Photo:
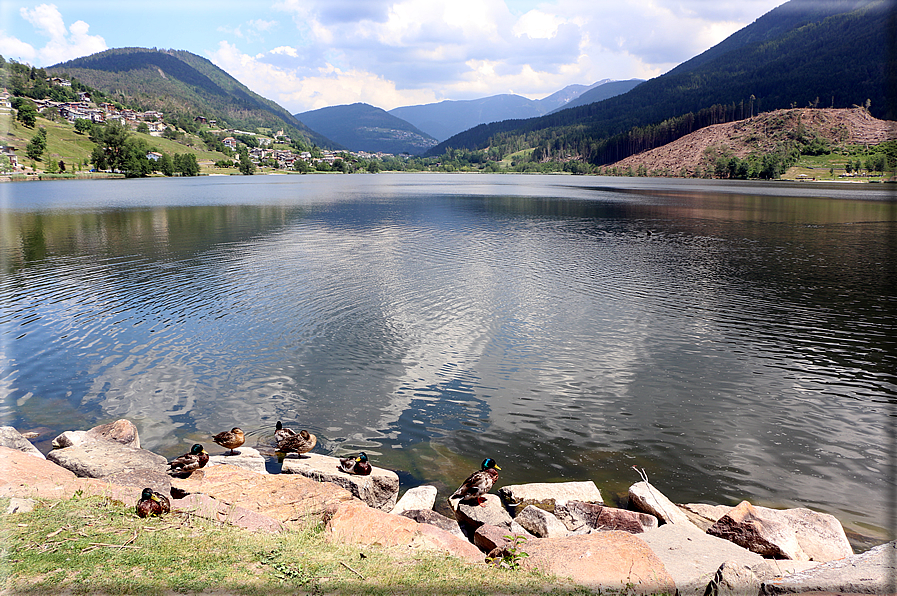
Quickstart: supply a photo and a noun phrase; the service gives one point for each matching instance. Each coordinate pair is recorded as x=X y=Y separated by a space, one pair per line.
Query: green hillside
x=805 y=52
x=362 y=127
x=181 y=84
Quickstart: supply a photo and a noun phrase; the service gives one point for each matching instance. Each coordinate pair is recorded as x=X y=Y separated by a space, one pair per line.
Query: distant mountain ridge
x=830 y=53
x=180 y=83
x=363 y=127
x=447 y=118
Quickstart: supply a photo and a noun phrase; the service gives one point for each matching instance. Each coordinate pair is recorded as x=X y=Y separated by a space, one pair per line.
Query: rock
x=286 y=498
x=378 y=490
x=489 y=538
x=206 y=507
x=692 y=557
x=121 y=431
x=98 y=459
x=581 y=517
x=419 y=497
x=605 y=561
x=545 y=495
x=871 y=572
x=142 y=477
x=473 y=516
x=70 y=438
x=759 y=532
x=541 y=523
x=23 y=475
x=247 y=458
x=11 y=438
x=428 y=516
x=356 y=523
x=17 y=505
x=733 y=579
x=645 y=497
x=819 y=535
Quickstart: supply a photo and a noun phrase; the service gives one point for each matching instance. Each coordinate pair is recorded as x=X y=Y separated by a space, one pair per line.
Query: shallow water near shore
x=734 y=340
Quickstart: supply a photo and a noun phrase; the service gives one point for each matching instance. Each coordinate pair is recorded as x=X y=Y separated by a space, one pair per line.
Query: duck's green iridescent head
x=196 y=449
x=490 y=463
x=147 y=494
x=362 y=457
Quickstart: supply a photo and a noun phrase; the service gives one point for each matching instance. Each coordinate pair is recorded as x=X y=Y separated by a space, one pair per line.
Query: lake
x=736 y=340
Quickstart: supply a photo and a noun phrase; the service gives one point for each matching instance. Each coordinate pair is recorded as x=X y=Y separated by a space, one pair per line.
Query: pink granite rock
x=758 y=532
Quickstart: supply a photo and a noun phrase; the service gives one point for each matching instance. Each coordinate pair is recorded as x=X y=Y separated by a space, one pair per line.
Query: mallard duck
x=301 y=443
x=355 y=465
x=189 y=462
x=281 y=433
x=152 y=503
x=479 y=483
x=231 y=439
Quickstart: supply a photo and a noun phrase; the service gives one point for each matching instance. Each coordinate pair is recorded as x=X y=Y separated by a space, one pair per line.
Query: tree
x=26 y=113
x=110 y=139
x=186 y=164
x=247 y=168
x=82 y=125
x=300 y=165
x=373 y=166
x=38 y=144
x=143 y=127
x=166 y=165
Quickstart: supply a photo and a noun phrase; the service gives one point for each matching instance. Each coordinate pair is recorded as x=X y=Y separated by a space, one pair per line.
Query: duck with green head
x=479 y=483
x=152 y=503
x=359 y=466
x=187 y=463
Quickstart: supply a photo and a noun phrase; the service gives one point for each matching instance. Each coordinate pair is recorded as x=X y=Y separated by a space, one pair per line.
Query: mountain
x=447 y=118
x=362 y=127
x=181 y=84
x=828 y=53
x=600 y=93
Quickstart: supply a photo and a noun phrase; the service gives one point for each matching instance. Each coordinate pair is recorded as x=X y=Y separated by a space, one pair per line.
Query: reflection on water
x=735 y=340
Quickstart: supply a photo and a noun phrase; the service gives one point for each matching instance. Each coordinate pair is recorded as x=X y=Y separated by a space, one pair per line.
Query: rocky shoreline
x=563 y=529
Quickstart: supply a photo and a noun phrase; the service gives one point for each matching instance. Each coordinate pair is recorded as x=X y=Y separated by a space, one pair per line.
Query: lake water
x=734 y=340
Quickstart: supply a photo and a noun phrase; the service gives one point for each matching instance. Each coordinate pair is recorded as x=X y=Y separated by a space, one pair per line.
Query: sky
x=309 y=54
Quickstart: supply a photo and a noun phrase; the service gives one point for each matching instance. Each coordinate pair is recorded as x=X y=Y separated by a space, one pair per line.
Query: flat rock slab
x=541 y=523
x=693 y=557
x=871 y=572
x=98 y=459
x=583 y=517
x=10 y=437
x=490 y=512
x=356 y=523
x=415 y=499
x=379 y=489
x=245 y=457
x=545 y=495
x=428 y=516
x=645 y=497
x=286 y=498
x=606 y=561
x=206 y=507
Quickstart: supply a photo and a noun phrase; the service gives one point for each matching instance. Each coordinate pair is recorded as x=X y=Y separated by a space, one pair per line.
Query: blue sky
x=308 y=54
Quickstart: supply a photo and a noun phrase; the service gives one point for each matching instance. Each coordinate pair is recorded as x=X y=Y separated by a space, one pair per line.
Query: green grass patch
x=99 y=546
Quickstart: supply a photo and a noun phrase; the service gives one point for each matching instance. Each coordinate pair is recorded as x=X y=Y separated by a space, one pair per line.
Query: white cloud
x=64 y=44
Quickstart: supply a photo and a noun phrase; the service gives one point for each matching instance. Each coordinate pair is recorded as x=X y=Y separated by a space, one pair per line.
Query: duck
x=189 y=462
x=479 y=483
x=152 y=503
x=281 y=433
x=299 y=444
x=356 y=465
x=230 y=439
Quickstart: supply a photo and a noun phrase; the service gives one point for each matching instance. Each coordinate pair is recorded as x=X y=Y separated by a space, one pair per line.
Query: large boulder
x=379 y=489
x=871 y=572
x=100 y=458
x=488 y=538
x=69 y=438
x=541 y=523
x=10 y=437
x=417 y=498
x=645 y=497
x=490 y=512
x=758 y=532
x=247 y=458
x=581 y=517
x=820 y=535
x=356 y=523
x=428 y=516
x=546 y=495
x=290 y=499
x=605 y=561
x=121 y=431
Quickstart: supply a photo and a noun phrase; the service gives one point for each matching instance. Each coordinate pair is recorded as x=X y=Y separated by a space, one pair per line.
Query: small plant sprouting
x=513 y=554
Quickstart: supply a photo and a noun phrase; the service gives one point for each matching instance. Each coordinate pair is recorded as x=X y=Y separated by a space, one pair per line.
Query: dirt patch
x=763 y=133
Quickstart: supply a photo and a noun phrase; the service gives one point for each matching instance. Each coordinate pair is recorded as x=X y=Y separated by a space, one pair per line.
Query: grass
x=94 y=545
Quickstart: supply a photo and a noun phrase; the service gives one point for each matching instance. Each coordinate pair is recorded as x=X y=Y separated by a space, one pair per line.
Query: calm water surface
x=737 y=341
